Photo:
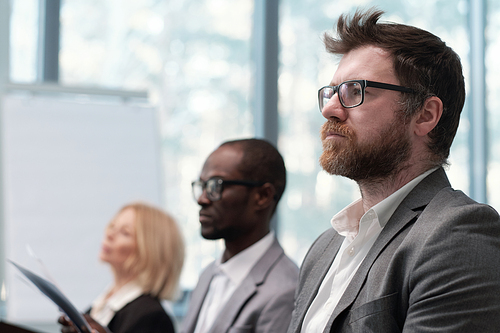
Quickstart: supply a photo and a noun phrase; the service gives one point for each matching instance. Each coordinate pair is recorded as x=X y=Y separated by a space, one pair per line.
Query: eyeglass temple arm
x=387 y=86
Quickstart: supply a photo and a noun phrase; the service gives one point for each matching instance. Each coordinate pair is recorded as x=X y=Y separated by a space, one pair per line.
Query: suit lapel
x=315 y=278
x=408 y=210
x=390 y=230
x=246 y=289
x=189 y=323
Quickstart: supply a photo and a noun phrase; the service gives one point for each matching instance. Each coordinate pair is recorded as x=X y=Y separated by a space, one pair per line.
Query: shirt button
x=351 y=251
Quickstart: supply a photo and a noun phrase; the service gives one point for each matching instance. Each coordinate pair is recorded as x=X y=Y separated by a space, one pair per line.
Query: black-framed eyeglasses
x=352 y=93
x=214 y=187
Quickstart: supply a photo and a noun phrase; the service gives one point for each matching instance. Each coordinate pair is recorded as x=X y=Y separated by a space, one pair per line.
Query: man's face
x=229 y=217
x=370 y=141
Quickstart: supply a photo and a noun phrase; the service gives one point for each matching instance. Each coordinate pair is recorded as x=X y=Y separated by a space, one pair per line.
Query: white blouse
x=104 y=309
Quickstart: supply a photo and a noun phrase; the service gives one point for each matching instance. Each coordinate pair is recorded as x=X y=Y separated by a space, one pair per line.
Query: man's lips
x=333 y=130
x=331 y=135
x=205 y=217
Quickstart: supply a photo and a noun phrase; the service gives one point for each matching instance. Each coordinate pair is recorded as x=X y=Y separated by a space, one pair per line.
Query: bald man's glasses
x=214 y=187
x=352 y=93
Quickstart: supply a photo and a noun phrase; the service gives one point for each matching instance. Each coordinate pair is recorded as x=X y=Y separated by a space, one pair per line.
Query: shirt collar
x=124 y=295
x=346 y=221
x=238 y=267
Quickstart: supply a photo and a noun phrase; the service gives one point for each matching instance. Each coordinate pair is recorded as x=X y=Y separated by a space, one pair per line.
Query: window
x=193 y=57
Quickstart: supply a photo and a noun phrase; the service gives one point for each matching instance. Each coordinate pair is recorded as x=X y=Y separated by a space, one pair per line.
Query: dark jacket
x=145 y=314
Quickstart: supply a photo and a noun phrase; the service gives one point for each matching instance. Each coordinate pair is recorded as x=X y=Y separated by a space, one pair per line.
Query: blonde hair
x=159 y=256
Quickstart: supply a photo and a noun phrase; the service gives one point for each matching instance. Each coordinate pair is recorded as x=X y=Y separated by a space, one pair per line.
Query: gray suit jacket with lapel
x=435 y=267
x=262 y=303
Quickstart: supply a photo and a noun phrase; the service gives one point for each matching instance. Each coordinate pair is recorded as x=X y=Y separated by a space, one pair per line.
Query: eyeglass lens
x=350 y=94
x=212 y=187
x=325 y=95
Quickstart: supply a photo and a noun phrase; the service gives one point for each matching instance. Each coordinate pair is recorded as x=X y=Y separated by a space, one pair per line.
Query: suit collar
x=318 y=266
x=426 y=190
x=239 y=266
x=247 y=288
x=407 y=211
x=316 y=272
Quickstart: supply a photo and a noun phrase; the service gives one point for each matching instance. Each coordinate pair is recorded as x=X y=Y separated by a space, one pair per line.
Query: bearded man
x=413 y=254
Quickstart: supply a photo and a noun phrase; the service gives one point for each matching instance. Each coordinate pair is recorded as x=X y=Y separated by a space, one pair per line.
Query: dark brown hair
x=422 y=61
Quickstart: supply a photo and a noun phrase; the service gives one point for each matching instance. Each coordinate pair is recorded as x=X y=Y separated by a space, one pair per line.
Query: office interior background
x=153 y=86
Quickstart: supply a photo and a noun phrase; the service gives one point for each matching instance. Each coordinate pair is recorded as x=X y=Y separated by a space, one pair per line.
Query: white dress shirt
x=359 y=238
x=229 y=276
x=104 y=309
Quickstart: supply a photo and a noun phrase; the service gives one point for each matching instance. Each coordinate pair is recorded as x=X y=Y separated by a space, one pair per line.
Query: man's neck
x=374 y=191
x=233 y=247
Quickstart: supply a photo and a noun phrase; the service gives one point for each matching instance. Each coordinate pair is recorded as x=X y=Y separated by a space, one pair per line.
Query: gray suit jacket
x=262 y=303
x=435 y=267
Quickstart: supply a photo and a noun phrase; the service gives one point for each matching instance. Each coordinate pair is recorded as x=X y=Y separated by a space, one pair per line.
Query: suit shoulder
x=282 y=277
x=455 y=206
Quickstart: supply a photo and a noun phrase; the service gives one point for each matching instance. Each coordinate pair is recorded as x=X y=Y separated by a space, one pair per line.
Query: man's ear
x=429 y=116
x=265 y=196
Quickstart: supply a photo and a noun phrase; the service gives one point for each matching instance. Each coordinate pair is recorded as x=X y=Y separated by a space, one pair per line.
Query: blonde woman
x=145 y=251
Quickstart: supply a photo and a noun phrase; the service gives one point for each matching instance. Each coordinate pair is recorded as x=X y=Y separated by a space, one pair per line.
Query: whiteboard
x=67 y=168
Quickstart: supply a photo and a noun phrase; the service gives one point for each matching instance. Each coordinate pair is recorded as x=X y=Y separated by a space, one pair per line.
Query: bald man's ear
x=429 y=116
x=265 y=196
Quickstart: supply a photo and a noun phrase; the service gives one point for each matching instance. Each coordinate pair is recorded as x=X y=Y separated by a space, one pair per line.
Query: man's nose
x=203 y=198
x=333 y=109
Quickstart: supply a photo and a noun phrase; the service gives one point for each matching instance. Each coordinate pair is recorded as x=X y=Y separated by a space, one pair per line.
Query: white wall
x=67 y=168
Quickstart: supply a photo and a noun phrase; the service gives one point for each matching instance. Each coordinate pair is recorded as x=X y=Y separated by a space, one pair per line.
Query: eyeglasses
x=214 y=187
x=352 y=93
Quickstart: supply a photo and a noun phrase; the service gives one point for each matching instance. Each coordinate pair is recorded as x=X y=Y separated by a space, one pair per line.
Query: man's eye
x=356 y=92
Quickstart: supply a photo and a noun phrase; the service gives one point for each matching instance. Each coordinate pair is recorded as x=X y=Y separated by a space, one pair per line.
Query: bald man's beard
x=382 y=157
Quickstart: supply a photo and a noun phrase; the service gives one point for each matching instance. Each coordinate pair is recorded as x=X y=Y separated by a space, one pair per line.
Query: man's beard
x=375 y=160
